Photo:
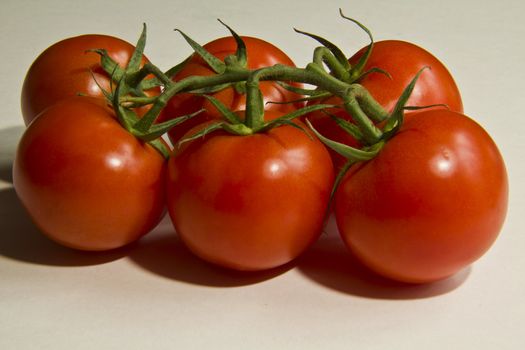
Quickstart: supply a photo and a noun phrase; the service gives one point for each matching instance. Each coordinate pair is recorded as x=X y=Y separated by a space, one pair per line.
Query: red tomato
x=432 y=202
x=86 y=182
x=249 y=202
x=402 y=60
x=64 y=70
x=259 y=53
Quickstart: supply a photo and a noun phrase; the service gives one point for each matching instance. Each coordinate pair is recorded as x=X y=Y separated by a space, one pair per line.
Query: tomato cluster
x=248 y=186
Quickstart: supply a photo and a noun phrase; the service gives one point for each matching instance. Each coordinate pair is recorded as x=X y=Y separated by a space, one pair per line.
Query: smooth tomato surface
x=85 y=181
x=65 y=69
x=259 y=54
x=402 y=60
x=250 y=202
x=432 y=202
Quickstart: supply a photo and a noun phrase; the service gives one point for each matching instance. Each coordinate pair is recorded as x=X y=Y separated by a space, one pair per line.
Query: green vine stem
x=324 y=55
x=358 y=102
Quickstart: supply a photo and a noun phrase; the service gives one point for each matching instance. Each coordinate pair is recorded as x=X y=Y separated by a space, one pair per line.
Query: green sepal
x=347 y=126
x=240 y=87
x=395 y=120
x=240 y=53
x=297 y=113
x=360 y=65
x=144 y=124
x=287 y=122
x=126 y=117
x=136 y=57
x=287 y=118
x=108 y=95
x=201 y=133
x=160 y=147
x=216 y=64
x=223 y=110
x=237 y=129
x=157 y=130
x=171 y=73
x=108 y=64
x=330 y=46
x=340 y=176
x=133 y=80
x=347 y=151
x=147 y=120
x=373 y=70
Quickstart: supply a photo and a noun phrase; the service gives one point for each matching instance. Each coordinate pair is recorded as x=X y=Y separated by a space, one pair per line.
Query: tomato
x=402 y=60
x=249 y=202
x=259 y=54
x=432 y=202
x=86 y=182
x=65 y=69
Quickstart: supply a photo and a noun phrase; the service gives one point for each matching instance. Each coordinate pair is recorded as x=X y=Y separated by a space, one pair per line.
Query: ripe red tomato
x=249 y=202
x=402 y=60
x=432 y=202
x=64 y=70
x=259 y=54
x=86 y=182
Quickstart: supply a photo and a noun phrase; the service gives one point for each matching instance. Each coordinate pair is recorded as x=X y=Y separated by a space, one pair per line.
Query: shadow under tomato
x=8 y=142
x=164 y=254
x=21 y=240
x=329 y=263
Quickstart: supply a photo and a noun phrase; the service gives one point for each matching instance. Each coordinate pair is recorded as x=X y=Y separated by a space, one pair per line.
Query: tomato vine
x=329 y=72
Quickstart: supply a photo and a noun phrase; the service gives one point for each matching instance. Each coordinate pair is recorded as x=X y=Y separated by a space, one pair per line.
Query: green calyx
x=329 y=73
x=129 y=93
x=242 y=125
x=336 y=61
x=371 y=137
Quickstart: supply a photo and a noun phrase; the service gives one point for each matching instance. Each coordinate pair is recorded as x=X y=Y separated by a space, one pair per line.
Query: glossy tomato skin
x=432 y=202
x=65 y=70
x=249 y=202
x=402 y=60
x=259 y=53
x=86 y=182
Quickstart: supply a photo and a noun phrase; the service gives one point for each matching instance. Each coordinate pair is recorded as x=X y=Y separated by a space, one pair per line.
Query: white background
x=155 y=295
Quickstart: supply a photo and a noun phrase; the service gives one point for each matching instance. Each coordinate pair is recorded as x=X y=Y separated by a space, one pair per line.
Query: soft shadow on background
x=8 y=141
x=329 y=263
x=165 y=255
x=21 y=240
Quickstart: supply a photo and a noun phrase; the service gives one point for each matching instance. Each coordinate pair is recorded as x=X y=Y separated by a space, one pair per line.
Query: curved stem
x=368 y=104
x=371 y=133
x=324 y=55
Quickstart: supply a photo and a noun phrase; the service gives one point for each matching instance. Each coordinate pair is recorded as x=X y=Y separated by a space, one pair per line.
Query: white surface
x=155 y=295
